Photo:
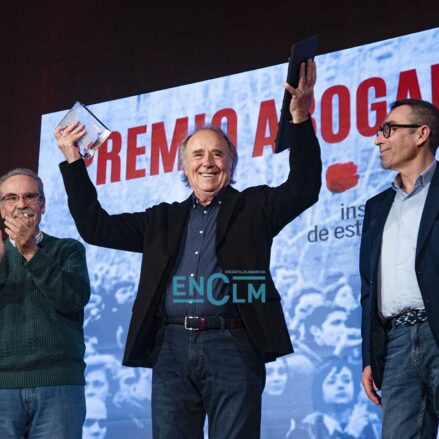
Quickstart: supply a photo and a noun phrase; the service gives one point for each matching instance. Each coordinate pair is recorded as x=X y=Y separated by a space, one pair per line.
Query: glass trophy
x=95 y=131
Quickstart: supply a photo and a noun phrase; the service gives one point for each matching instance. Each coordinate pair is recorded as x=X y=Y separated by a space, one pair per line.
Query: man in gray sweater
x=44 y=287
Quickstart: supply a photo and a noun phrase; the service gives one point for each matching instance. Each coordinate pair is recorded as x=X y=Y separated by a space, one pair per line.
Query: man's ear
x=43 y=206
x=424 y=134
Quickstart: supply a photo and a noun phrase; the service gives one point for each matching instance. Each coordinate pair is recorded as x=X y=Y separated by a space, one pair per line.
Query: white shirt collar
x=38 y=238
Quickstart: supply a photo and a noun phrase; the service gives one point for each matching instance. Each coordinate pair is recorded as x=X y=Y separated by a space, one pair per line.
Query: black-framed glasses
x=28 y=198
x=386 y=128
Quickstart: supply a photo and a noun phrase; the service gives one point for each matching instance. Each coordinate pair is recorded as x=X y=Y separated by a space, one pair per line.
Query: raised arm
x=302 y=187
x=95 y=225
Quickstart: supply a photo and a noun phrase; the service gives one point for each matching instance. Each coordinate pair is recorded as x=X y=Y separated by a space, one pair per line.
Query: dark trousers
x=216 y=372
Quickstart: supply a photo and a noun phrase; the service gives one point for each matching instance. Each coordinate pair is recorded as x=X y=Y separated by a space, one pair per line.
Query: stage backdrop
x=314 y=259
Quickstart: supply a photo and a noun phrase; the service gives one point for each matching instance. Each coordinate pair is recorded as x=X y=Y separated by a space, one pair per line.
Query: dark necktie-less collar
x=216 y=199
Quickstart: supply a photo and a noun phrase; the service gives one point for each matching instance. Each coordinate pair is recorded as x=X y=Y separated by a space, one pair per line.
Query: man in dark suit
x=399 y=267
x=206 y=357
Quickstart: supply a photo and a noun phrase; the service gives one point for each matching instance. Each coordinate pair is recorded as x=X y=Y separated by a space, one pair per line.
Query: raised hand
x=301 y=97
x=23 y=231
x=66 y=136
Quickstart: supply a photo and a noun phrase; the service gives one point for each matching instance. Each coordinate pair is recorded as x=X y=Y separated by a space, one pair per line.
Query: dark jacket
x=426 y=265
x=247 y=223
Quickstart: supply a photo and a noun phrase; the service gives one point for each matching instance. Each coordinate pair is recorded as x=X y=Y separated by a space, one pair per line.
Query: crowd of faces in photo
x=315 y=393
x=118 y=397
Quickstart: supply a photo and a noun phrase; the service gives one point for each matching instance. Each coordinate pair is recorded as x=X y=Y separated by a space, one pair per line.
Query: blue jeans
x=220 y=373
x=42 y=412
x=410 y=390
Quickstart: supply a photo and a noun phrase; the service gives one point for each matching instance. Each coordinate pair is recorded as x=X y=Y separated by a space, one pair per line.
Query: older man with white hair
x=208 y=357
x=44 y=287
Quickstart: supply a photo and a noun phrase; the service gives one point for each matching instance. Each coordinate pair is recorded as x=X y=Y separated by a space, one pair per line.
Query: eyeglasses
x=386 y=128
x=28 y=198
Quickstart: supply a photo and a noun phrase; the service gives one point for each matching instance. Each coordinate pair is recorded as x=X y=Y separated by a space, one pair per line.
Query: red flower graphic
x=341 y=176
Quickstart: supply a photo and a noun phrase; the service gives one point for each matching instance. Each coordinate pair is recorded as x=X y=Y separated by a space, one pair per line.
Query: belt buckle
x=185 y=323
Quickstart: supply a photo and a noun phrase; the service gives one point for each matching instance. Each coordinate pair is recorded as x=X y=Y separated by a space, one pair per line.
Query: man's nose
x=379 y=139
x=21 y=203
x=207 y=160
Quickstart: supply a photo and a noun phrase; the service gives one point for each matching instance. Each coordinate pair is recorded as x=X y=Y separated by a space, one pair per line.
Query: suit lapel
x=430 y=212
x=177 y=222
x=383 y=210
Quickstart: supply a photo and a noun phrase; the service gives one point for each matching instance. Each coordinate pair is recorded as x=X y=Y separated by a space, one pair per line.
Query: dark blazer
x=426 y=266
x=247 y=223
